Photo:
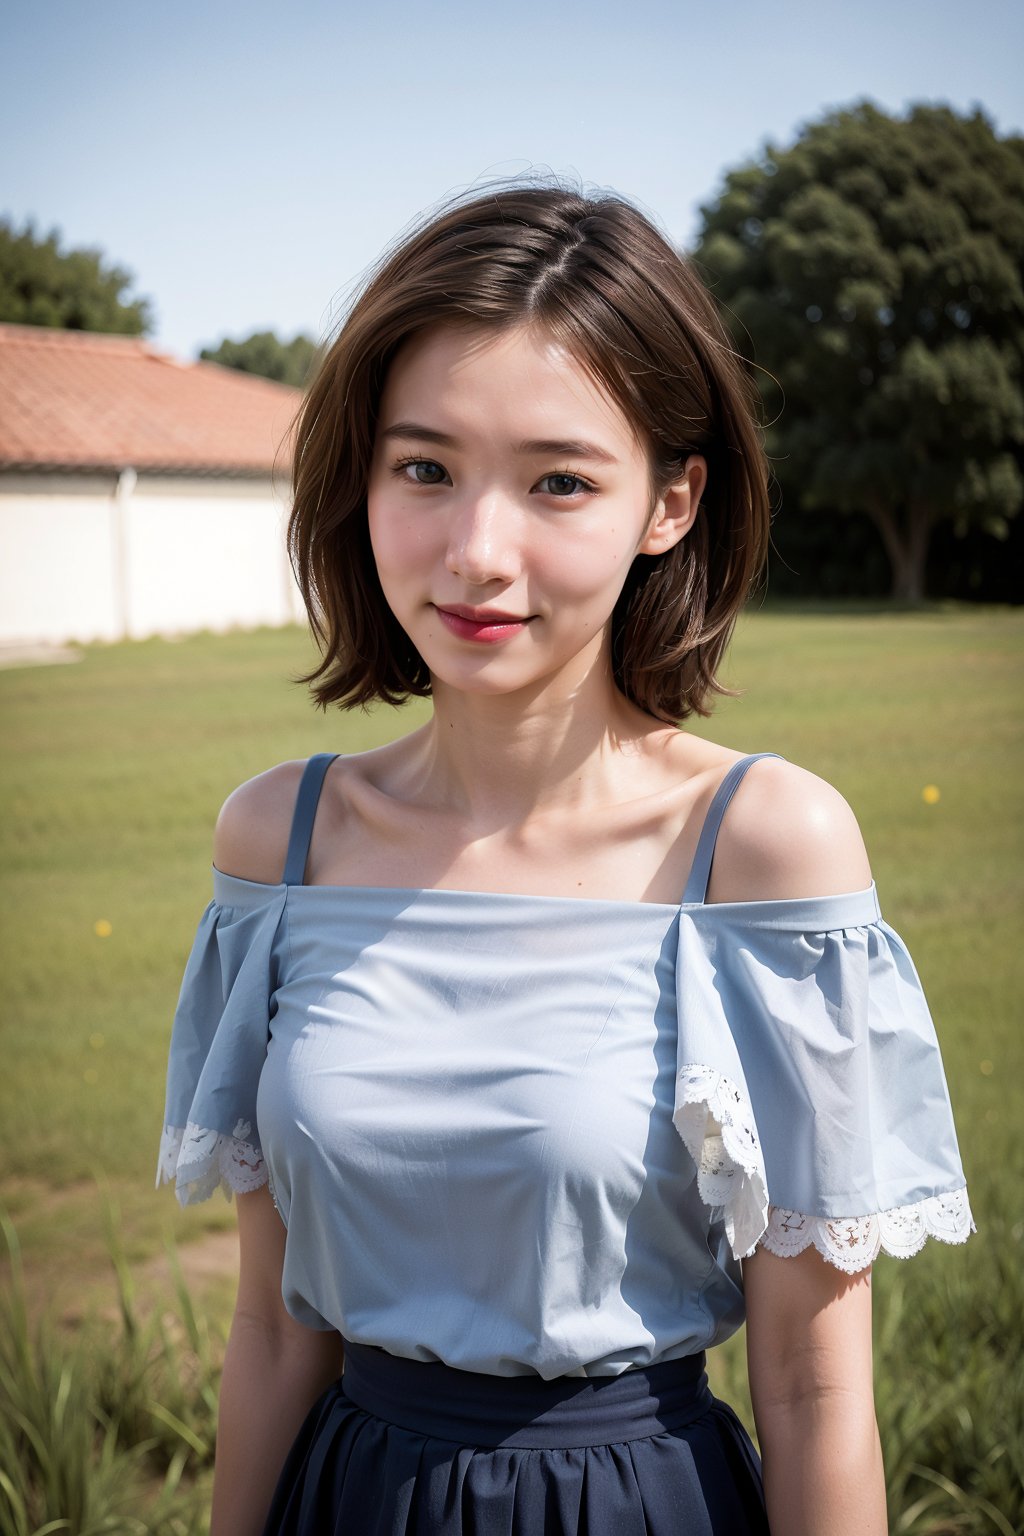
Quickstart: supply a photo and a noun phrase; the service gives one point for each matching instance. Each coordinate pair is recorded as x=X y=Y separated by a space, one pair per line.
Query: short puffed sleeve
x=810 y=1089
x=219 y=1043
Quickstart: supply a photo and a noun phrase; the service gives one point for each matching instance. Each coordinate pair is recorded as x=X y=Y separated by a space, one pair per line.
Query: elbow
x=838 y=1418
x=314 y=1352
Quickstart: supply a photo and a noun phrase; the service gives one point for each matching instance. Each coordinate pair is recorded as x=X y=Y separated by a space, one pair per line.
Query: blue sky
x=248 y=161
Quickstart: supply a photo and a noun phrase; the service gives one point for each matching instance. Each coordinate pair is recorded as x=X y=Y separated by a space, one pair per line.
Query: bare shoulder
x=251 y=836
x=787 y=834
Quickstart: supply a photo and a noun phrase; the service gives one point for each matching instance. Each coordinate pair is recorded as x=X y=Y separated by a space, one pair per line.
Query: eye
x=422 y=471
x=564 y=485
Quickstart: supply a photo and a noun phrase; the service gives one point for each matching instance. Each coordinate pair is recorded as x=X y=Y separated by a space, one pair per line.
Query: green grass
x=881 y=707
x=115 y=770
x=113 y=773
x=114 y=1430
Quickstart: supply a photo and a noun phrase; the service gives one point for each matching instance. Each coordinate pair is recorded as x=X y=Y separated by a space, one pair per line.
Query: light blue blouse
x=529 y=1134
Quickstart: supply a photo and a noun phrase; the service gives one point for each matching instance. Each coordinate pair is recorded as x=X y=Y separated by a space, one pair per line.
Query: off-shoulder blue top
x=525 y=1134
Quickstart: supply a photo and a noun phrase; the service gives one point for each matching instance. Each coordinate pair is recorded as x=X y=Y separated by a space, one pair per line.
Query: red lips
x=481 y=615
x=486 y=625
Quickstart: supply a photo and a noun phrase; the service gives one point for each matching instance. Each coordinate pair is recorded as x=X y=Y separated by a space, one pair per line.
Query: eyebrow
x=575 y=448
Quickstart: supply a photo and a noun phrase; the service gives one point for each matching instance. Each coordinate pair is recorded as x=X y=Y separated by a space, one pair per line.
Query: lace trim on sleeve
x=199 y=1161
x=852 y=1243
x=717 y=1126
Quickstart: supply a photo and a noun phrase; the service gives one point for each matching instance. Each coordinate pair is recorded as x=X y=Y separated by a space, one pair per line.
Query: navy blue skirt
x=404 y=1448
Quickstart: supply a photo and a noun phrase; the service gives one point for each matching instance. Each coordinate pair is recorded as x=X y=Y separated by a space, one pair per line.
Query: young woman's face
x=508 y=497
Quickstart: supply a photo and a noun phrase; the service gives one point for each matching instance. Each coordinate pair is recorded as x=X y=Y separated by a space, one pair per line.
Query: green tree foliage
x=289 y=362
x=876 y=268
x=41 y=284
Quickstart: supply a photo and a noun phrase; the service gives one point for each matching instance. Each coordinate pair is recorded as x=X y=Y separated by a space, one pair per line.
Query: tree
x=289 y=362
x=876 y=266
x=40 y=284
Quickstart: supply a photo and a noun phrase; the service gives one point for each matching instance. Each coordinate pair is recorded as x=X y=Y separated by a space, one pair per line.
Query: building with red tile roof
x=139 y=494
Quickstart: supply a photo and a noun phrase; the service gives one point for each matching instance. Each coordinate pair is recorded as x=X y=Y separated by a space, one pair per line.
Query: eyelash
x=585 y=487
x=403 y=464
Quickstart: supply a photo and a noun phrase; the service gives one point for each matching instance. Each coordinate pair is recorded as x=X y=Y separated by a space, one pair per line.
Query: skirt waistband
x=470 y=1408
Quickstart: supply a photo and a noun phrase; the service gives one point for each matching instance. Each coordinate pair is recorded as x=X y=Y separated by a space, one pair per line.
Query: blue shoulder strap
x=700 y=872
x=306 y=802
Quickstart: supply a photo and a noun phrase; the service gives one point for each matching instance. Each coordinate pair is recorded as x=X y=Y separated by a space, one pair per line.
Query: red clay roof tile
x=76 y=400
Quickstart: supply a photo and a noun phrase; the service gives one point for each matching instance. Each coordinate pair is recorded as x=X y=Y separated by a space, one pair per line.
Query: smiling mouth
x=482 y=624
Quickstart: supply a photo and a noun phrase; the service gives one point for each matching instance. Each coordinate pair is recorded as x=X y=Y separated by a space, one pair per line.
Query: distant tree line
x=42 y=284
x=289 y=362
x=873 y=273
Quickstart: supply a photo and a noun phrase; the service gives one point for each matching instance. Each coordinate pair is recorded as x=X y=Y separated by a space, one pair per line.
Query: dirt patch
x=68 y=1284
x=209 y=1264
x=41 y=655
x=210 y=1259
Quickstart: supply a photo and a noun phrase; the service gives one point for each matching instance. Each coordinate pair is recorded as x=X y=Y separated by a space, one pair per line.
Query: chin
x=480 y=684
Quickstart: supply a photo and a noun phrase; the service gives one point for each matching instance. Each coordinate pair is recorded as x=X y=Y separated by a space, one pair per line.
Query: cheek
x=397 y=539
x=591 y=562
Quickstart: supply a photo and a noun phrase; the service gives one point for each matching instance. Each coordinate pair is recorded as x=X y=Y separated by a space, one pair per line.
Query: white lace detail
x=717 y=1126
x=199 y=1161
x=852 y=1243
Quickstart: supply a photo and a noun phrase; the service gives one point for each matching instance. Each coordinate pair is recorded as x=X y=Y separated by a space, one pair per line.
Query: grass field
x=113 y=772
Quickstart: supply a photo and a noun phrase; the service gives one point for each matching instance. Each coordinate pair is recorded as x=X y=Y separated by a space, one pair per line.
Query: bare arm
x=809 y=1358
x=274 y=1370
x=789 y=834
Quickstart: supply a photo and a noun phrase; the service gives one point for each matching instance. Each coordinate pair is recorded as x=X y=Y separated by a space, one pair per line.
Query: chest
x=635 y=851
x=459 y=1040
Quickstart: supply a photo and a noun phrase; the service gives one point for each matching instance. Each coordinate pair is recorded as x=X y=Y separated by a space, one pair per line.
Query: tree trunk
x=906 y=546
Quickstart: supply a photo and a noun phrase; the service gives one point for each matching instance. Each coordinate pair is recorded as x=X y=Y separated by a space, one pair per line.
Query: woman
x=534 y=1070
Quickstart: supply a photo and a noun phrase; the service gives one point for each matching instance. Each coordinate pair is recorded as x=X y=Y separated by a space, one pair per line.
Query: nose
x=482 y=542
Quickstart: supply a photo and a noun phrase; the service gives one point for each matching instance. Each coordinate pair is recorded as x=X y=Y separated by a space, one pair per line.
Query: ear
x=676 y=510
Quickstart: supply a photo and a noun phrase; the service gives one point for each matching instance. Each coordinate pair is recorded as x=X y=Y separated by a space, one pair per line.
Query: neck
x=500 y=759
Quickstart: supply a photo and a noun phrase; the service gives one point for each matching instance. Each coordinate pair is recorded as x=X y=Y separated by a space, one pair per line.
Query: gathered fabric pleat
x=648 y=1453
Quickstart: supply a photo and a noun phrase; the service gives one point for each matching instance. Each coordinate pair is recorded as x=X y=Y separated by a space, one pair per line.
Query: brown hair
x=596 y=274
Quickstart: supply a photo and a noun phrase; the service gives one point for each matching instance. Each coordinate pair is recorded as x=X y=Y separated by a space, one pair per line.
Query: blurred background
x=189 y=198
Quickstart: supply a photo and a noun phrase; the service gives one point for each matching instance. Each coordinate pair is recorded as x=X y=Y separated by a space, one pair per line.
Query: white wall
x=168 y=555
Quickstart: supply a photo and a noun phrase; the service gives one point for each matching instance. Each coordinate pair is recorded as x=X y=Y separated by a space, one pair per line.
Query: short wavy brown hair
x=601 y=279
